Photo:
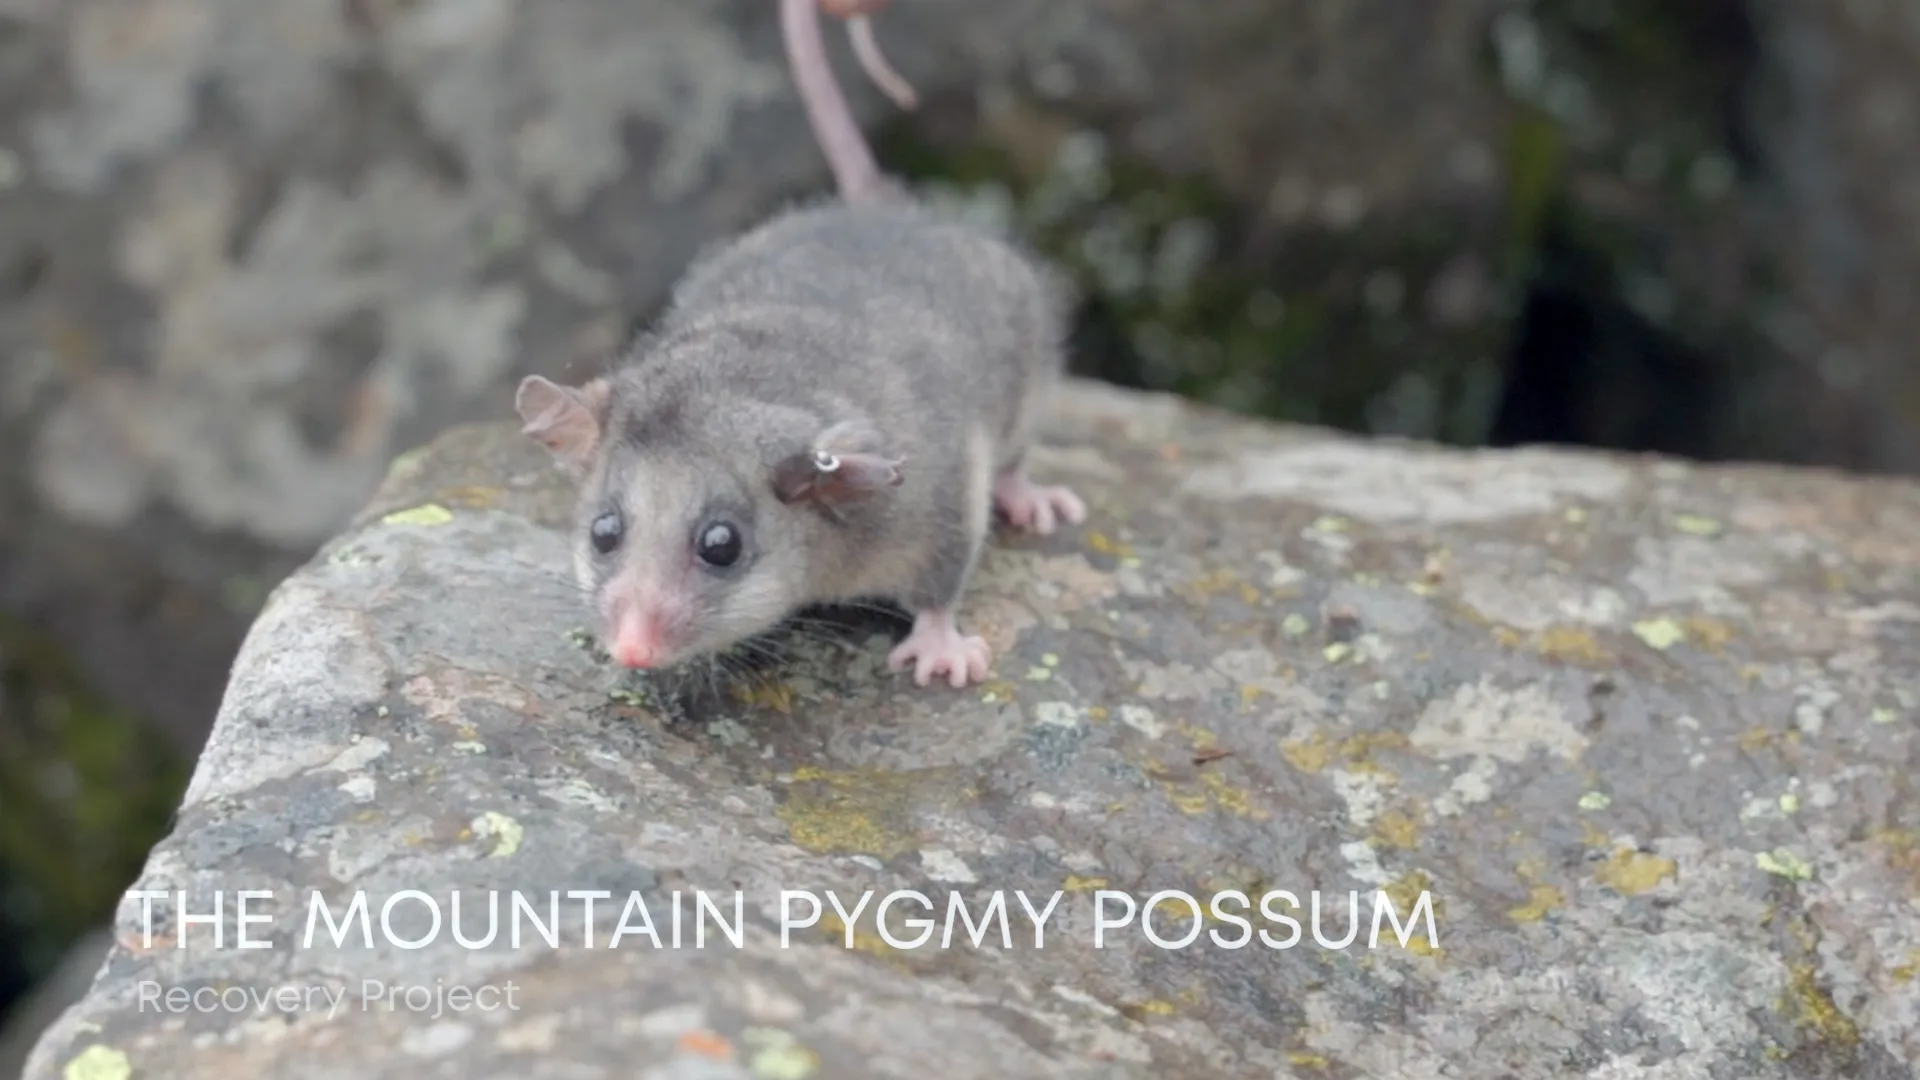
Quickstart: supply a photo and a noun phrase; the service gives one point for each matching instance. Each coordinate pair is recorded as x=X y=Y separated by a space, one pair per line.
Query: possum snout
x=645 y=629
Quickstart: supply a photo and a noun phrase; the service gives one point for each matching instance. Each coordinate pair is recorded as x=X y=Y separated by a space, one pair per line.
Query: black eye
x=605 y=531
x=719 y=544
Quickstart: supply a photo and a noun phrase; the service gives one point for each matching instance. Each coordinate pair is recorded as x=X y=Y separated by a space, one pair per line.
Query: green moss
x=1182 y=292
x=1536 y=186
x=85 y=792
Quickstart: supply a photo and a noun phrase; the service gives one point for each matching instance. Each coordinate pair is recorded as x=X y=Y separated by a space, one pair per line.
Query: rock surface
x=1644 y=733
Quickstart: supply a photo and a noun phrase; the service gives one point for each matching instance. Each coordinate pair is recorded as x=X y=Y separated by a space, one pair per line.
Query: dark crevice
x=1586 y=369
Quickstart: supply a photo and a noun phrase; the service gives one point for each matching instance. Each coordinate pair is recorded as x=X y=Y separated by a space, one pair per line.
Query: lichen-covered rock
x=1642 y=734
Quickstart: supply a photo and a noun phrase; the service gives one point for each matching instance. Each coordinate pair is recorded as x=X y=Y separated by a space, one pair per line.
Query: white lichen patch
x=533 y=1036
x=1385 y=484
x=1364 y=793
x=1141 y=719
x=1058 y=713
x=1815 y=701
x=1173 y=682
x=1702 y=987
x=942 y=865
x=1530 y=601
x=1473 y=786
x=1364 y=862
x=672 y=1021
x=577 y=792
x=437 y=1039
x=1485 y=720
x=1675 y=571
x=363 y=752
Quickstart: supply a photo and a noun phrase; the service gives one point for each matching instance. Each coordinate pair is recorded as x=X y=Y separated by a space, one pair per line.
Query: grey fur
x=889 y=319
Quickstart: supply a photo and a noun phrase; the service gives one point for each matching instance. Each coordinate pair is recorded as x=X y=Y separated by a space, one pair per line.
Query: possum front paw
x=1036 y=507
x=937 y=647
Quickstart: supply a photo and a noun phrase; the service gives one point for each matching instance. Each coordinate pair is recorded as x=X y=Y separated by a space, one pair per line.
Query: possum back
x=901 y=264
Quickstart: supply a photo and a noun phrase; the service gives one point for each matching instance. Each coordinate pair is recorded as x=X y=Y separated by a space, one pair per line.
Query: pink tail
x=855 y=172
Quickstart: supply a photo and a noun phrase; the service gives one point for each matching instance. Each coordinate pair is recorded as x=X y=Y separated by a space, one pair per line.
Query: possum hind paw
x=937 y=647
x=1036 y=507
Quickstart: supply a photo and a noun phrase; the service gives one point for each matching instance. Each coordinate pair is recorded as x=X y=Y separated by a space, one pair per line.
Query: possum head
x=696 y=526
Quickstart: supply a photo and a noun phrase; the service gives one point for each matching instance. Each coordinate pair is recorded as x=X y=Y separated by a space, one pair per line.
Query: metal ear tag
x=825 y=462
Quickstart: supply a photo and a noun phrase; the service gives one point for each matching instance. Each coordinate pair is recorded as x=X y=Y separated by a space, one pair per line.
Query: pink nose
x=636 y=640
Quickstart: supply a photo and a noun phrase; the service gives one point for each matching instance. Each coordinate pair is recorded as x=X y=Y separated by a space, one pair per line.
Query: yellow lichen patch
x=505 y=831
x=1396 y=829
x=1211 y=584
x=777 y=1055
x=1544 y=898
x=1572 y=644
x=1197 y=737
x=1213 y=792
x=1754 y=740
x=471 y=496
x=1631 y=873
x=1302 y=1059
x=1404 y=892
x=853 y=812
x=1813 y=1007
x=1140 y=1012
x=1309 y=755
x=1906 y=972
x=775 y=694
x=1354 y=753
x=1100 y=543
x=998 y=690
x=1662 y=633
x=866 y=941
x=98 y=1062
x=1508 y=637
x=1697 y=524
x=1711 y=634
x=1076 y=883
x=428 y=514
x=1783 y=863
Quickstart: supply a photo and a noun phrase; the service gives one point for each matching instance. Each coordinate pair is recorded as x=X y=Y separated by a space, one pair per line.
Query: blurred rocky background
x=250 y=250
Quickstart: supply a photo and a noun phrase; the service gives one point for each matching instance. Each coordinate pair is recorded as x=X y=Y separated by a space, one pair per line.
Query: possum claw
x=1036 y=507
x=937 y=647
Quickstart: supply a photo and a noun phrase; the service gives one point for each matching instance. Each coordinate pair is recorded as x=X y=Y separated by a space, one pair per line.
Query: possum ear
x=564 y=419
x=845 y=462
